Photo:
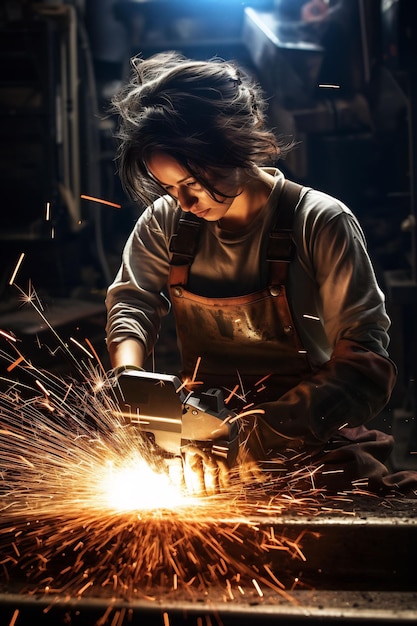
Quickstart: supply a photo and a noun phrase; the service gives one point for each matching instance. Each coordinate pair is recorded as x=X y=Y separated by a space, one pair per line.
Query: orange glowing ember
x=101 y=201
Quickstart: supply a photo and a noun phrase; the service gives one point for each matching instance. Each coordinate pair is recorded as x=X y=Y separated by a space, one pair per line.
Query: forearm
x=129 y=351
x=135 y=300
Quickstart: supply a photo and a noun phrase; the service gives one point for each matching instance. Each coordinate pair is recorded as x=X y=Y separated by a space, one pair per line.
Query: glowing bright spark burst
x=80 y=456
x=136 y=486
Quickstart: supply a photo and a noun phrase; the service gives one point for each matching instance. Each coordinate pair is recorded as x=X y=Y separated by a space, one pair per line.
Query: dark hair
x=208 y=115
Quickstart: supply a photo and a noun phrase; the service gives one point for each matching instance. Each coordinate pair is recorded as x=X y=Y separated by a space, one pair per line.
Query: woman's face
x=191 y=195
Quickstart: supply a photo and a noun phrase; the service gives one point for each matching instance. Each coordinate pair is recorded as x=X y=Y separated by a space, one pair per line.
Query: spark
x=241 y=385
x=257 y=587
x=188 y=383
x=48 y=212
x=77 y=343
x=329 y=86
x=67 y=392
x=272 y=576
x=45 y=391
x=30 y=298
x=90 y=345
x=8 y=336
x=101 y=201
x=245 y=414
x=15 y=363
x=231 y=394
x=262 y=380
x=197 y=365
x=16 y=269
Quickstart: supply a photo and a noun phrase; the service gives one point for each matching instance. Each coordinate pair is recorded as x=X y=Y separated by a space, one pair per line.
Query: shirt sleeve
x=135 y=300
x=356 y=383
x=351 y=301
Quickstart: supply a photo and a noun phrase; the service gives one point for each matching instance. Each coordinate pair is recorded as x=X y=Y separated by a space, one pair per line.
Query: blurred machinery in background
x=339 y=80
x=397 y=82
x=39 y=129
x=341 y=76
x=50 y=145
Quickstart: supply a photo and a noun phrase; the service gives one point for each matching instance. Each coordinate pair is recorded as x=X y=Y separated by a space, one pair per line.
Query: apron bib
x=242 y=339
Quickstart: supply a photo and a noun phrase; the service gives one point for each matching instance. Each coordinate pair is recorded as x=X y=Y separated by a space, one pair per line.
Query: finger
x=194 y=473
x=211 y=478
x=224 y=475
x=176 y=471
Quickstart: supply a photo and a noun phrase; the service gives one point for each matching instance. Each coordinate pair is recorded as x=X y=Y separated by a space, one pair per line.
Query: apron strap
x=184 y=245
x=280 y=249
x=281 y=246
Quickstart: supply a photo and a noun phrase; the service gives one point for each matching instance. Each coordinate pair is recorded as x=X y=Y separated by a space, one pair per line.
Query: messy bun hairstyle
x=208 y=115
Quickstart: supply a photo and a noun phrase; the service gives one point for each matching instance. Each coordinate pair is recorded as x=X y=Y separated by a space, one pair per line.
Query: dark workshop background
x=344 y=87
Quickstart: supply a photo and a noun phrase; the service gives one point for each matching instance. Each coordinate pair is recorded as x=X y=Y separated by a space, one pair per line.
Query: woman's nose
x=187 y=199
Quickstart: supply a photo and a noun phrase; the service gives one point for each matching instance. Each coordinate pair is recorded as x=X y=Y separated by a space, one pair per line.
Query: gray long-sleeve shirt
x=333 y=292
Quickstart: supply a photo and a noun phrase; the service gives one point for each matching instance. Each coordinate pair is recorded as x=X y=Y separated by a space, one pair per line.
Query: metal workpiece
x=325 y=607
x=351 y=562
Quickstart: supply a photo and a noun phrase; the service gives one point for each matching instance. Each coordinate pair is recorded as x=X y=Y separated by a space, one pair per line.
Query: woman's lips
x=201 y=213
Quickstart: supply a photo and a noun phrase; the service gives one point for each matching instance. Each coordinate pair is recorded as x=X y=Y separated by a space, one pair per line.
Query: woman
x=273 y=292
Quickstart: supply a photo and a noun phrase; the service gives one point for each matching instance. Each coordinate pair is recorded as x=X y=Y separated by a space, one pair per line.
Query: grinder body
x=173 y=418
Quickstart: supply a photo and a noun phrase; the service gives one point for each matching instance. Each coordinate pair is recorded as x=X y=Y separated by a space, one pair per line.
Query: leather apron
x=247 y=343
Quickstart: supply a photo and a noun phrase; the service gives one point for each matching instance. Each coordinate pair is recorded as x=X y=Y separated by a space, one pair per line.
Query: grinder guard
x=174 y=418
